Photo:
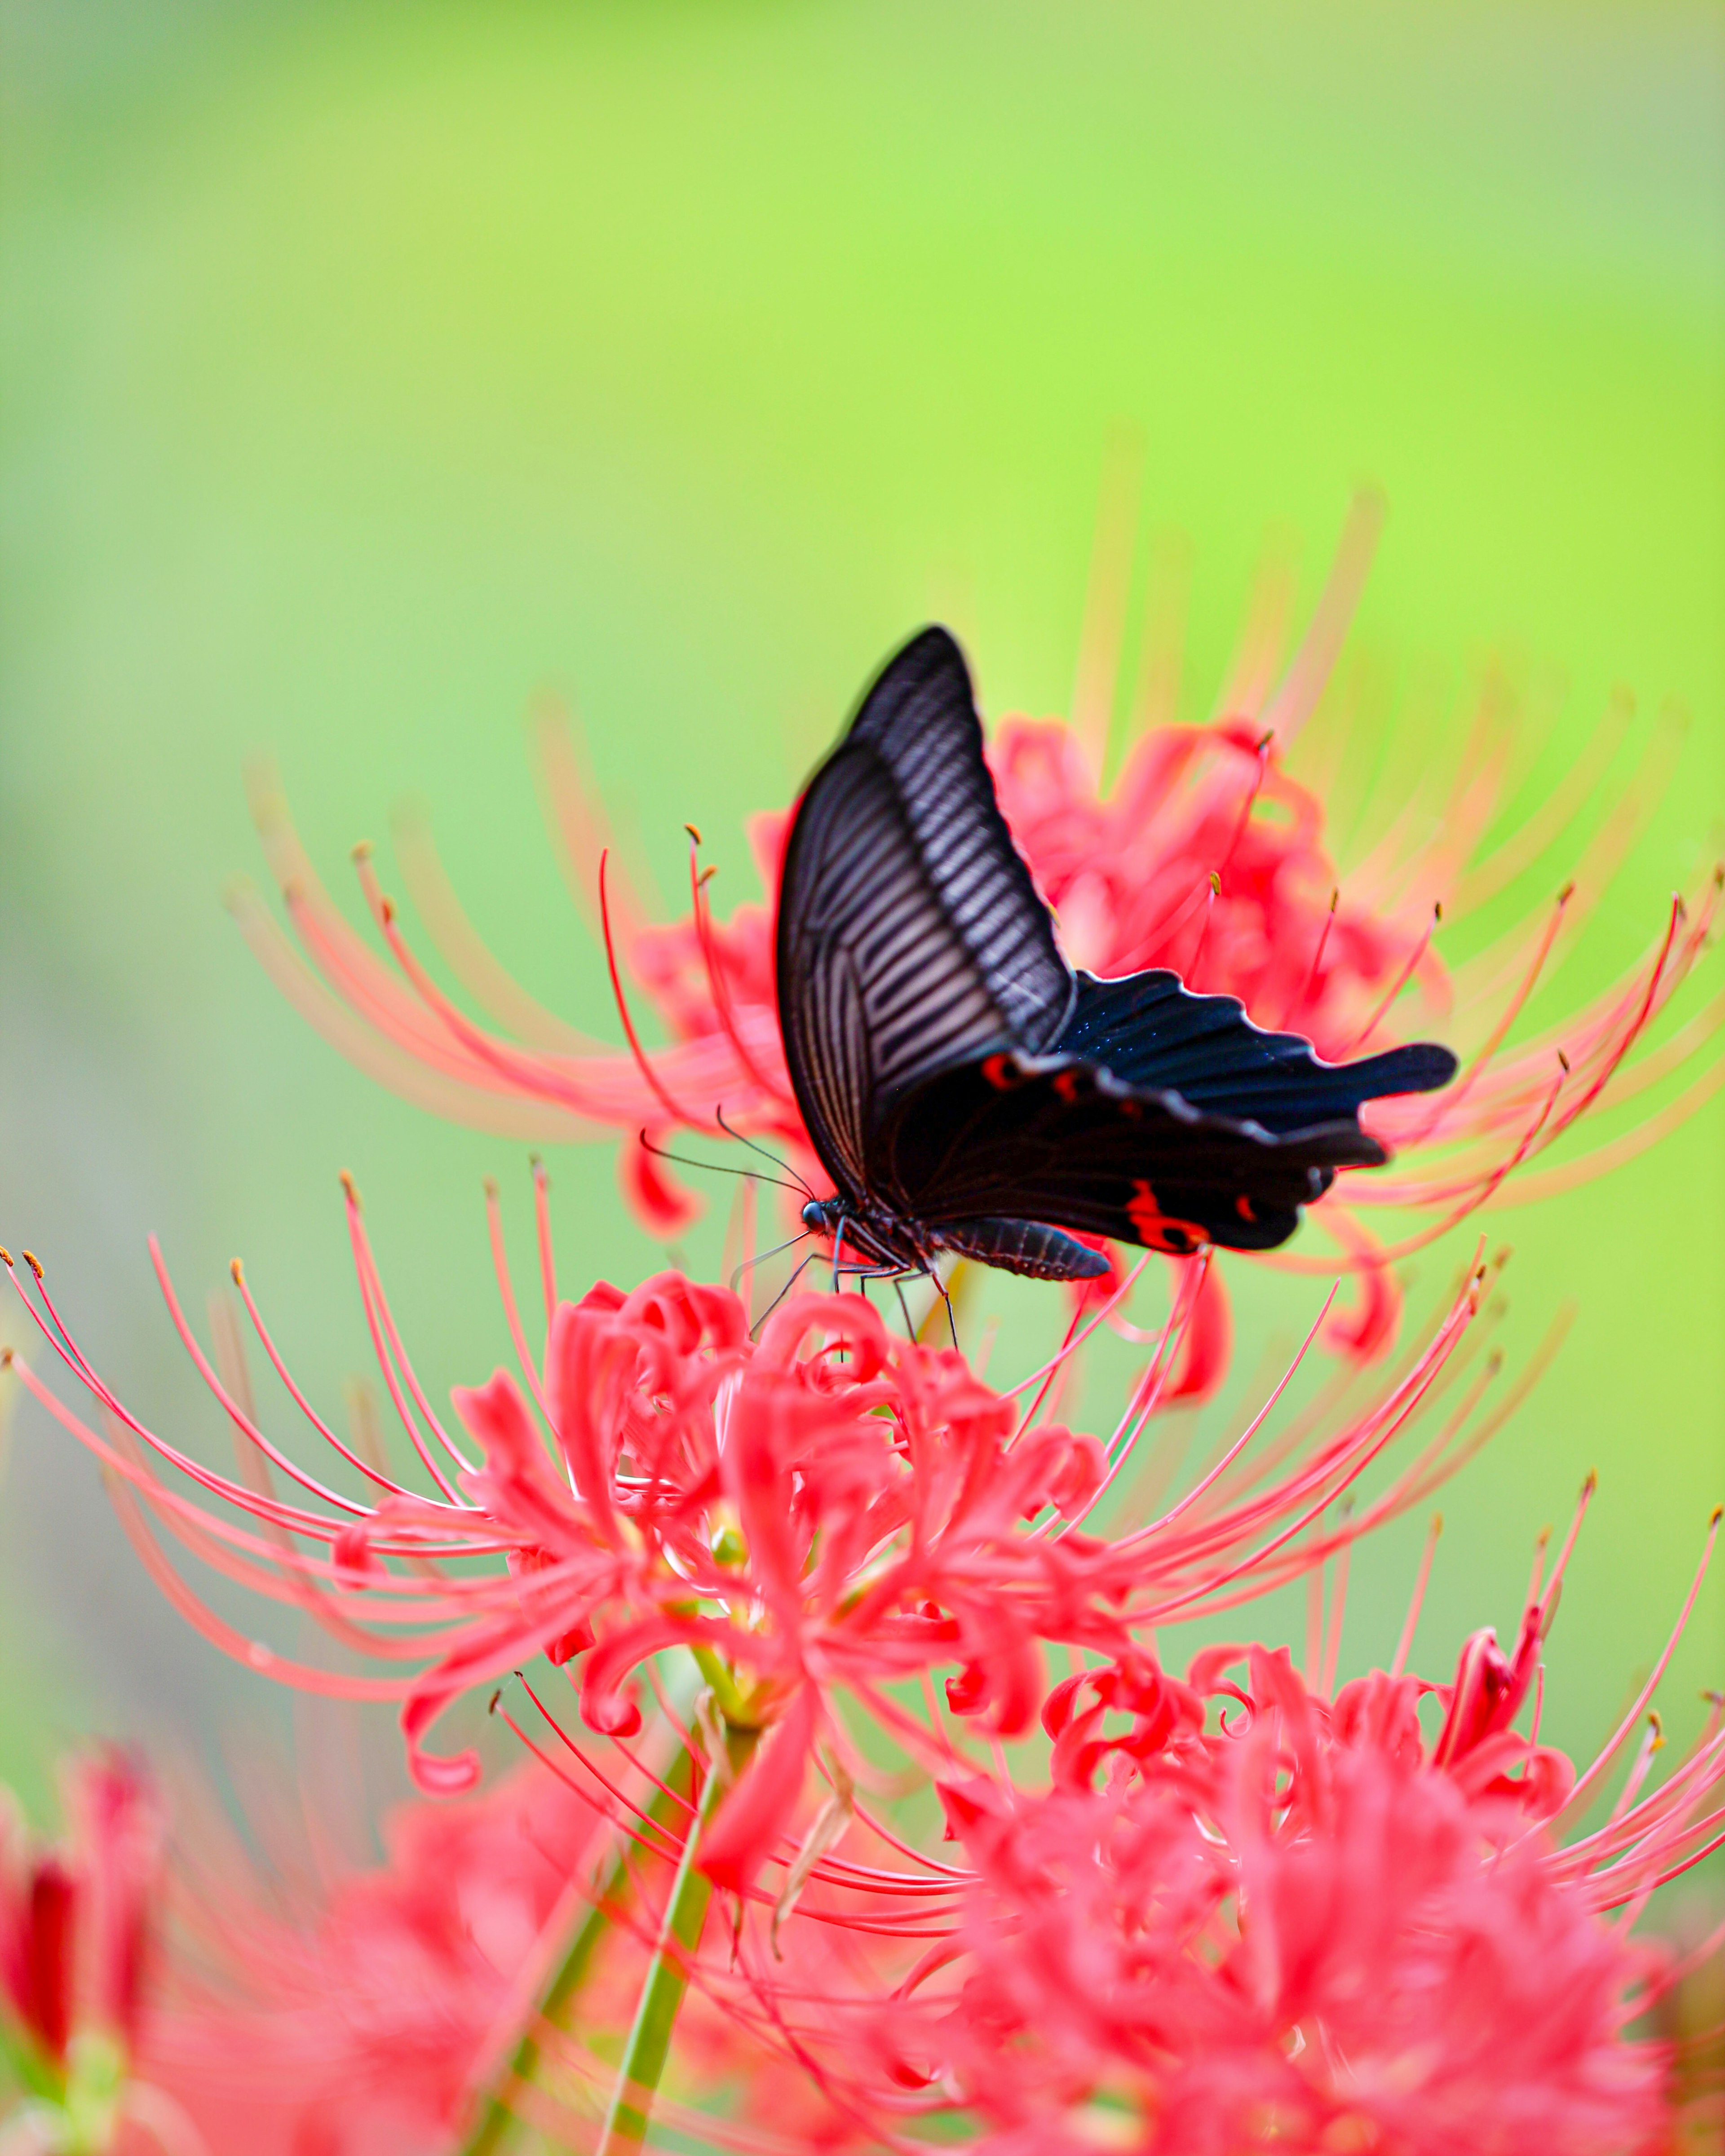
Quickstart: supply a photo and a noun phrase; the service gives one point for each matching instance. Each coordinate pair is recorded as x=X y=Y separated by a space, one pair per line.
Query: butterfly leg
x=797 y=1273
x=898 y=1289
x=940 y=1287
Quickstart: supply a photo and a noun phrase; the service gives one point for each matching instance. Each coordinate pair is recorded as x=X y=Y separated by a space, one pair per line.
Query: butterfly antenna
x=717 y=1168
x=802 y=1268
x=762 y=1257
x=784 y=1166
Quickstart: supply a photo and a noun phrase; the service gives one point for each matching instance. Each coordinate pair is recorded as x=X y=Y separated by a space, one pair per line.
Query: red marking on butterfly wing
x=1157 y=1228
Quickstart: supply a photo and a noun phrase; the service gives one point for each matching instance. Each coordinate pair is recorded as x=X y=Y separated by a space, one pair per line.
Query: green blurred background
x=365 y=369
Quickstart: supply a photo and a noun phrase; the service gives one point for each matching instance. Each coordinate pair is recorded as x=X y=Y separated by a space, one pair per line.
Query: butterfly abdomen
x=1023 y=1246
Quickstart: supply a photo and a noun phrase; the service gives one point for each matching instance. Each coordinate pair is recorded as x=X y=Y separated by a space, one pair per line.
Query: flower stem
x=668 y=1972
x=497 y=2116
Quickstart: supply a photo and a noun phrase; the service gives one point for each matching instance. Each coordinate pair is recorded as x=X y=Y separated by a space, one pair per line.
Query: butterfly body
x=895 y=1244
x=965 y=1088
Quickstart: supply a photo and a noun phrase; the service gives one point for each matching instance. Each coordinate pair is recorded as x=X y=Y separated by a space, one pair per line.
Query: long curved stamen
x=1410 y=966
x=701 y=908
x=370 y=1301
x=1293 y=1010
x=541 y=1221
x=506 y=1289
x=1214 y=1474
x=1589 y=1780
x=266 y=1341
x=678 y=1115
x=1456 y=1093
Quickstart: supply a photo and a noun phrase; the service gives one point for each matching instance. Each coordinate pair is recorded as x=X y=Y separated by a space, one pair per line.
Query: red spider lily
x=828 y=1519
x=1206 y=854
x=366 y=2012
x=1263 y=1914
x=76 y=1924
x=74 y=1916
x=1307 y=1920
x=358 y=2014
x=829 y=1509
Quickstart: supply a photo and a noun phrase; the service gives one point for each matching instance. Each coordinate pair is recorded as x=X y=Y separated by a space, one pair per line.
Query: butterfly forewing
x=910 y=937
x=920 y=718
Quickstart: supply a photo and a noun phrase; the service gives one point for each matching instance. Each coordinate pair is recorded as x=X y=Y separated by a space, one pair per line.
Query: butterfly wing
x=1164 y=1119
x=911 y=938
x=1063 y=1143
x=1148 y=1030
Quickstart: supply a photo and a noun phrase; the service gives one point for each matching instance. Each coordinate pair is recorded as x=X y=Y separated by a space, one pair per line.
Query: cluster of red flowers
x=1295 y=1915
x=876 y=1780
x=1311 y=1928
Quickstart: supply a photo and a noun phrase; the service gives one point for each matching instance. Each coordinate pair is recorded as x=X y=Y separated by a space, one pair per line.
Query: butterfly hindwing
x=911 y=938
x=1147 y=1029
x=1053 y=1140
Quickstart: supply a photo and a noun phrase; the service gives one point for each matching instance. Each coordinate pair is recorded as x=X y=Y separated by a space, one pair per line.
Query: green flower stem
x=731 y=1702
x=667 y=1975
x=497 y=2117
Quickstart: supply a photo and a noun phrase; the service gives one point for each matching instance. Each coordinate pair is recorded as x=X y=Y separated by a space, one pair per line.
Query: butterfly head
x=869 y=1234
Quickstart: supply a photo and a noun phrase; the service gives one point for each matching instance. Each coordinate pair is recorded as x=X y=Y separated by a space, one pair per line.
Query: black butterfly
x=965 y=1090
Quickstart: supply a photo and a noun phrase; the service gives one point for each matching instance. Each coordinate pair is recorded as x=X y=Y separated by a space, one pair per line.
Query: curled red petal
x=658 y=1200
x=759 y=1809
x=1208 y=1339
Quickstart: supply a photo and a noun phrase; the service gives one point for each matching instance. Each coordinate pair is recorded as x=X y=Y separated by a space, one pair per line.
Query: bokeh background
x=366 y=370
